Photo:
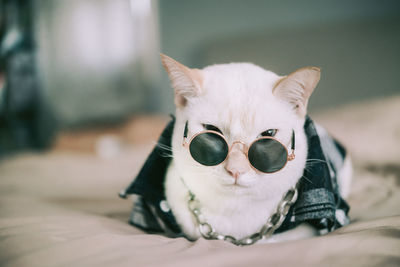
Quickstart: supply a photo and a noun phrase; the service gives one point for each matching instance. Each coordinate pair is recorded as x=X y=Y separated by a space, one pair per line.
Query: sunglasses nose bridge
x=236 y=163
x=238 y=143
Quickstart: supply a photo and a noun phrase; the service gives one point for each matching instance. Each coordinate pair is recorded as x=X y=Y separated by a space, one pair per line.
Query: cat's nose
x=237 y=164
x=234 y=174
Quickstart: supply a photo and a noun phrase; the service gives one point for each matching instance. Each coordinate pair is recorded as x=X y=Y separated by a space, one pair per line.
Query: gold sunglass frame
x=290 y=157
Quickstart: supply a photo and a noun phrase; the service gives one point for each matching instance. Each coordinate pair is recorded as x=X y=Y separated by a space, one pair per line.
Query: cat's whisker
x=312 y=162
x=164 y=147
x=166 y=155
x=308 y=169
x=166 y=150
x=308 y=180
x=316 y=160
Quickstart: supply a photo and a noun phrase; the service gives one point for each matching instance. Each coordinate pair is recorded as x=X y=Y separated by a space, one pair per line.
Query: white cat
x=242 y=101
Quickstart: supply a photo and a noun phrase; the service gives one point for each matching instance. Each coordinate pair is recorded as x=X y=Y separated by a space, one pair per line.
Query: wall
x=355 y=42
x=99 y=58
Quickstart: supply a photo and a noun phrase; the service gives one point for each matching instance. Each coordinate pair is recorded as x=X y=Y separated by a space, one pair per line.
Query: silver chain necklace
x=267 y=230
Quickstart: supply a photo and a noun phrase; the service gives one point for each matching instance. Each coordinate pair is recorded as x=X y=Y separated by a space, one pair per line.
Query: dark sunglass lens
x=208 y=149
x=267 y=155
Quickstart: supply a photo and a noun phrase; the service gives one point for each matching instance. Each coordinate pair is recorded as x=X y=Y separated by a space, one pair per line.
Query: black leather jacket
x=319 y=202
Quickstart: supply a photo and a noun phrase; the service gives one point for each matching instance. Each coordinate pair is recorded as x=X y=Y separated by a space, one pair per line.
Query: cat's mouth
x=236 y=183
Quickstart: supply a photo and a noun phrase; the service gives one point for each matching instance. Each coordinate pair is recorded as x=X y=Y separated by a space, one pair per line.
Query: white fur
x=238 y=99
x=344 y=169
x=344 y=177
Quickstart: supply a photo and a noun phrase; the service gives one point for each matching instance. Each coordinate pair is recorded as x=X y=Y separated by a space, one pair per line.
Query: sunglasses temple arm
x=185 y=132
x=292 y=156
x=293 y=140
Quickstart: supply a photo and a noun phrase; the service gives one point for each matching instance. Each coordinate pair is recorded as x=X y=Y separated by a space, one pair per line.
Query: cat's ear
x=297 y=87
x=186 y=82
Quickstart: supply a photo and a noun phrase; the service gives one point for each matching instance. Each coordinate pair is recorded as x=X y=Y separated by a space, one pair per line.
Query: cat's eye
x=212 y=128
x=269 y=132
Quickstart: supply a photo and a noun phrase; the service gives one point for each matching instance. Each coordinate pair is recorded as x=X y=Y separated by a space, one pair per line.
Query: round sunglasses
x=265 y=154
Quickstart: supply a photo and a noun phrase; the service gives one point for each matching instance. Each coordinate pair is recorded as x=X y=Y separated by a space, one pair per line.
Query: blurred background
x=86 y=74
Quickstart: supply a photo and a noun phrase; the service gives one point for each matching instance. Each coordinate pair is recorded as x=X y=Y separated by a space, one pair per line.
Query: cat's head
x=243 y=102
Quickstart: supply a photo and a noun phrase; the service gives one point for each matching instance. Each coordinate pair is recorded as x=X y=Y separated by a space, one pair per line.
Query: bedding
x=61 y=208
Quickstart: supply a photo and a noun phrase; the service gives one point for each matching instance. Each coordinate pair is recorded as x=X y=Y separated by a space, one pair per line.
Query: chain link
x=267 y=230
